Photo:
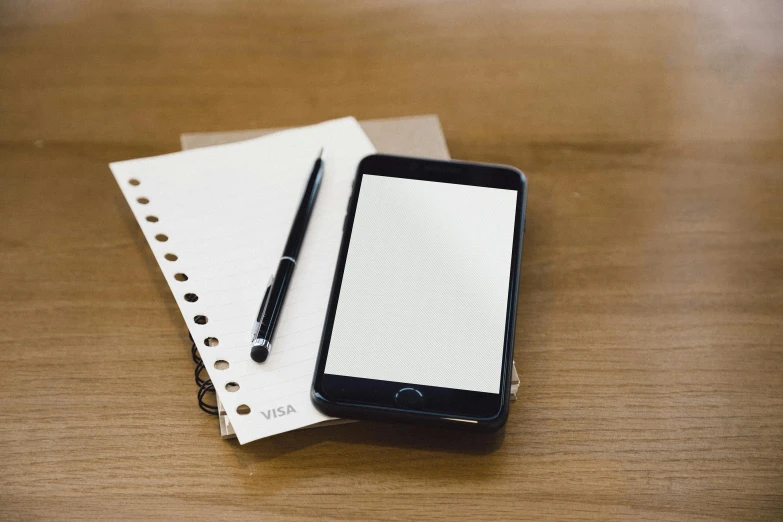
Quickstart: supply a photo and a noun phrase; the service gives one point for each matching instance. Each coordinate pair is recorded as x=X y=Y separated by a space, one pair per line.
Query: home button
x=409 y=398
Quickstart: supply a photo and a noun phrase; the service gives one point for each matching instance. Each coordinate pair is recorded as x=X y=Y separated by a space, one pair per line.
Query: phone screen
x=425 y=288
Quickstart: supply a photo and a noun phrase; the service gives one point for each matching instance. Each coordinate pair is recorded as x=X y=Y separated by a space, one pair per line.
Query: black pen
x=271 y=305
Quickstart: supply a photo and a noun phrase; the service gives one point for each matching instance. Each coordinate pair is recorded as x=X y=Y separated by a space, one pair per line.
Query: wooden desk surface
x=650 y=332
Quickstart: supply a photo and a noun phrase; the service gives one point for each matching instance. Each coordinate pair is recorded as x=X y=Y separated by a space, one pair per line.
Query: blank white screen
x=425 y=287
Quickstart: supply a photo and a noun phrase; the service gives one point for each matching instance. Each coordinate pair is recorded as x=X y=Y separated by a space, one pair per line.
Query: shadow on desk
x=365 y=433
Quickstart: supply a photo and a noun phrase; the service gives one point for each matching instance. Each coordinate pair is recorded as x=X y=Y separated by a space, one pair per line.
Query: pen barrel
x=277 y=293
x=302 y=217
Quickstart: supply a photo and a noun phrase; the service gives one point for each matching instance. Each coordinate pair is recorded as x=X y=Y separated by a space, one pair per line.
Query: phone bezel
x=363 y=398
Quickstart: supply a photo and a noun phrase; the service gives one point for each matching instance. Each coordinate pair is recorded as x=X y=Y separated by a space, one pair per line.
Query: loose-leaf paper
x=225 y=213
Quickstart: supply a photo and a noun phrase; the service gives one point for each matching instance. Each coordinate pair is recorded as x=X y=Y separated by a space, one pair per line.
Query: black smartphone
x=420 y=322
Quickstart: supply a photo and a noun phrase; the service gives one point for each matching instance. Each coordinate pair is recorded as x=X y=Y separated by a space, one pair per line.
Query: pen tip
x=321 y=153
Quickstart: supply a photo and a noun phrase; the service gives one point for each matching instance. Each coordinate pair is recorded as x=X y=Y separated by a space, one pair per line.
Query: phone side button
x=409 y=398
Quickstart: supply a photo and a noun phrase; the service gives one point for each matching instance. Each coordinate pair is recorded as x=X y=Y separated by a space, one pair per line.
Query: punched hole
x=191 y=298
x=143 y=201
x=243 y=409
x=221 y=365
x=171 y=257
x=134 y=182
x=162 y=238
x=211 y=342
x=180 y=277
x=152 y=219
x=232 y=386
x=200 y=319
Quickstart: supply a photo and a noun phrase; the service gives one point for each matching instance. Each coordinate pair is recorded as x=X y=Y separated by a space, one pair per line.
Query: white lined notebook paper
x=216 y=220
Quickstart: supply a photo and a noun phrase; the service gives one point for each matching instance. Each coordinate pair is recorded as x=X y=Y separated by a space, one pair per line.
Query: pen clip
x=262 y=308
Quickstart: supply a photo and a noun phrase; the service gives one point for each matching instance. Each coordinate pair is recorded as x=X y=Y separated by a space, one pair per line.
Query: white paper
x=227 y=211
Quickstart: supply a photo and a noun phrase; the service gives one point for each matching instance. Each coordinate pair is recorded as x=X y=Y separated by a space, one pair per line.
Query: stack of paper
x=216 y=220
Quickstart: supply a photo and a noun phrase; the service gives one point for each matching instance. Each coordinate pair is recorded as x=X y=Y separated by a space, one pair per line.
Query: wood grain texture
x=650 y=332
